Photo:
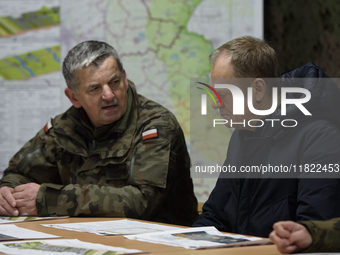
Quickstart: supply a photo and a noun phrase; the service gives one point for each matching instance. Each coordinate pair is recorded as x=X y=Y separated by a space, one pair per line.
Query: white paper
x=115 y=227
x=22 y=233
x=21 y=218
x=64 y=247
x=175 y=238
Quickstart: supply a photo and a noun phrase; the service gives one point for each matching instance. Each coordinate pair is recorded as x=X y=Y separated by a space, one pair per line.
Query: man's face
x=222 y=73
x=102 y=92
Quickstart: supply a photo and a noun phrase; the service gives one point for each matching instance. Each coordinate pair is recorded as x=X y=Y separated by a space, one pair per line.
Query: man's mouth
x=109 y=107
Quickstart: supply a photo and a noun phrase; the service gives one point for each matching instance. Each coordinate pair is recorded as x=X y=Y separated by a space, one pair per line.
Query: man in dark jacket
x=309 y=146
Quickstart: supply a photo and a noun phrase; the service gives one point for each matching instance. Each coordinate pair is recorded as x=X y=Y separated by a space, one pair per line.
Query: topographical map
x=162 y=44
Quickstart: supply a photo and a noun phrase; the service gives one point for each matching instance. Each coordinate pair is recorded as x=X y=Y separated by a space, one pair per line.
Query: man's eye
x=114 y=82
x=94 y=89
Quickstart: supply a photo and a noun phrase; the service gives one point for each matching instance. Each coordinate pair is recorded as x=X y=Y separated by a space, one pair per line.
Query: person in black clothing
x=251 y=206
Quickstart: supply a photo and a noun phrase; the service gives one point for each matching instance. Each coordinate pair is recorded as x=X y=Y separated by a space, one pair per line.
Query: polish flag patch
x=152 y=133
x=48 y=125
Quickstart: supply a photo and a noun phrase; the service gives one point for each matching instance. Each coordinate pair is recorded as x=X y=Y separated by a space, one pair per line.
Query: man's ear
x=73 y=97
x=125 y=80
x=259 y=89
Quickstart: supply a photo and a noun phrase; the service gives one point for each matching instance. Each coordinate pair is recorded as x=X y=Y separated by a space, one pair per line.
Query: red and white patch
x=152 y=133
x=48 y=125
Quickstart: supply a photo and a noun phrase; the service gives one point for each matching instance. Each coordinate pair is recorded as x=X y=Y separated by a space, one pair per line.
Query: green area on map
x=31 y=64
x=28 y=21
x=184 y=53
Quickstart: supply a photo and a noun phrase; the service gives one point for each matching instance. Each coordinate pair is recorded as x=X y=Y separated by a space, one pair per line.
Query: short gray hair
x=84 y=54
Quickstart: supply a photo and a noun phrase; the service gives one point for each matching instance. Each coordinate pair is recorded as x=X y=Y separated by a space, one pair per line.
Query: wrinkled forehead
x=104 y=71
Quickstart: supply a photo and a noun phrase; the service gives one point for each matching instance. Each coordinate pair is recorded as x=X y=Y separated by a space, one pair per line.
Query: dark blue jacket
x=251 y=206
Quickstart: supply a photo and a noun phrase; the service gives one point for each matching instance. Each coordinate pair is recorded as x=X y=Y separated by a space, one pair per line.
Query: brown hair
x=250 y=57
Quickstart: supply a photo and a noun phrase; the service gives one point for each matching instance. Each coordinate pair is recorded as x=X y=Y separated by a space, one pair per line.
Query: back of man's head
x=250 y=57
x=84 y=54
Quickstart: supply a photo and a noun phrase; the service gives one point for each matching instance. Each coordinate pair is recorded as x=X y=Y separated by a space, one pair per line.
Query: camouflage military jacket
x=137 y=167
x=325 y=235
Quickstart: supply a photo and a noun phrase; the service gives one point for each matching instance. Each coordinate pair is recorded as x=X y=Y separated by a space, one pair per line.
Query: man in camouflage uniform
x=307 y=236
x=113 y=153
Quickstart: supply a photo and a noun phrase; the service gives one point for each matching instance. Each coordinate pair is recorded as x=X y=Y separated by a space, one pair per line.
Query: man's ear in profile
x=125 y=80
x=72 y=96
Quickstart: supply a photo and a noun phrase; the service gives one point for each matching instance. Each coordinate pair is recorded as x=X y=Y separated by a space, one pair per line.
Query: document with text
x=12 y=232
x=113 y=227
x=63 y=246
x=21 y=218
x=198 y=238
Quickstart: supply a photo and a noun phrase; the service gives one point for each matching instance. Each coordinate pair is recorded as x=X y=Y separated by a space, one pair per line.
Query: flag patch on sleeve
x=48 y=125
x=152 y=133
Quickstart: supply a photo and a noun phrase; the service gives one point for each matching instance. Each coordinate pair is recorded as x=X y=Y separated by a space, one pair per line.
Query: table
x=121 y=241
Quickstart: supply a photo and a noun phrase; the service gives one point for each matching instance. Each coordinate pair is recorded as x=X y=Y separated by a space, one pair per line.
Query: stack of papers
x=57 y=247
x=190 y=238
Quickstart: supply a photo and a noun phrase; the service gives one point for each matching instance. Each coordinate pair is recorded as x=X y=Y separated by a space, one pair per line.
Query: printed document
x=12 y=232
x=198 y=238
x=62 y=247
x=113 y=227
x=20 y=218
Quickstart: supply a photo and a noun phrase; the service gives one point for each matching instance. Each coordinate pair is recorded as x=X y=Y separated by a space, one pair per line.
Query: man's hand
x=25 y=196
x=7 y=202
x=290 y=236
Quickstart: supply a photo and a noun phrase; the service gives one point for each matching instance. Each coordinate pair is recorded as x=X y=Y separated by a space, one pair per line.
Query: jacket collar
x=324 y=102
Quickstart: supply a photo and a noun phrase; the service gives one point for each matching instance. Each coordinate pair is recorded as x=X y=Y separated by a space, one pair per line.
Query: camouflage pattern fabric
x=110 y=170
x=325 y=234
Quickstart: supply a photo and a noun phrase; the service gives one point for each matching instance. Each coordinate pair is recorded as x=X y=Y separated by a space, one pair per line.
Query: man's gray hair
x=83 y=55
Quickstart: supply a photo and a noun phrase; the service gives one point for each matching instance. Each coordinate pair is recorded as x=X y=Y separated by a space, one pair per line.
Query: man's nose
x=107 y=93
x=217 y=105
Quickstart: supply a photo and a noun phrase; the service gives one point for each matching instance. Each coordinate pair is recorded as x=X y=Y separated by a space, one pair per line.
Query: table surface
x=120 y=241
